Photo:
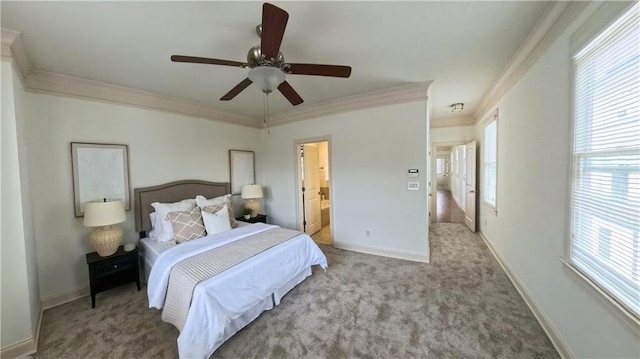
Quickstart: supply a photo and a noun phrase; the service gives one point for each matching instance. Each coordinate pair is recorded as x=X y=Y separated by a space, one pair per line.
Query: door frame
x=433 y=177
x=298 y=187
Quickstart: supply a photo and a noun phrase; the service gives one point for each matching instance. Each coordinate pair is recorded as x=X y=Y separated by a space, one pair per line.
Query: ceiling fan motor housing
x=255 y=58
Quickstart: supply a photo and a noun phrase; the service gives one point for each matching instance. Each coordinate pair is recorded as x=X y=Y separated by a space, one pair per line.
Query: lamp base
x=253 y=205
x=106 y=240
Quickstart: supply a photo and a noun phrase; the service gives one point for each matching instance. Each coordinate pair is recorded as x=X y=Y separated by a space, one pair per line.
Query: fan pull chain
x=265 y=103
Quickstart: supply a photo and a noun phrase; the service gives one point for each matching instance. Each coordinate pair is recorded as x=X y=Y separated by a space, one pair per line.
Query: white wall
x=452 y=134
x=370 y=152
x=530 y=229
x=163 y=147
x=20 y=293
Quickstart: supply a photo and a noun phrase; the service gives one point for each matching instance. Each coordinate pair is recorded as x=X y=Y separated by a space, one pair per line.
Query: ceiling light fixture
x=457 y=107
x=267 y=78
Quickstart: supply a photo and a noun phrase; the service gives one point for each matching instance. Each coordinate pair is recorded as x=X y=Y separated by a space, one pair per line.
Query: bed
x=224 y=303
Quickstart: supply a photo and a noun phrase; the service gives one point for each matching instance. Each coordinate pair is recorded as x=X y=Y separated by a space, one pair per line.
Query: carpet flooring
x=461 y=305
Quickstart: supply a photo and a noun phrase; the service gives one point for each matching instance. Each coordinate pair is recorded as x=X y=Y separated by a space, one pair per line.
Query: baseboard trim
x=68 y=296
x=555 y=337
x=39 y=326
x=25 y=347
x=19 y=349
x=381 y=252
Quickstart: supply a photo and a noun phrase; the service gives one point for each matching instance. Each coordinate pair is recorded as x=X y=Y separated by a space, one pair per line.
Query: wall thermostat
x=412 y=173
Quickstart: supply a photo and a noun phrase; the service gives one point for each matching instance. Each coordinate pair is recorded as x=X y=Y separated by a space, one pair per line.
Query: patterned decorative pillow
x=187 y=225
x=213 y=208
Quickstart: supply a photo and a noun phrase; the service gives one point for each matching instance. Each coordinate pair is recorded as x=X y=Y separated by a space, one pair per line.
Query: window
x=605 y=204
x=490 y=163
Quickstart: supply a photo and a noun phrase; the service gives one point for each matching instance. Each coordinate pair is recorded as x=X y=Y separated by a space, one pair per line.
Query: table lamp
x=250 y=193
x=104 y=213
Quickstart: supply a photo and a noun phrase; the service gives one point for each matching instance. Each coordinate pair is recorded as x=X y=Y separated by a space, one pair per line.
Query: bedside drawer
x=109 y=272
x=114 y=265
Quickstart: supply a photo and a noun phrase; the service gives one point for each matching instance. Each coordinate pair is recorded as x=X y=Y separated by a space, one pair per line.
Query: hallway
x=447 y=209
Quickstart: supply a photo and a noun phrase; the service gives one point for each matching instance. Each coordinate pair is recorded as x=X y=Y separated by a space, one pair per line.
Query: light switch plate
x=413 y=186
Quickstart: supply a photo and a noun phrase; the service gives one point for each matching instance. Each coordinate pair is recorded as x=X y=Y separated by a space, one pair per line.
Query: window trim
x=599 y=21
x=493 y=117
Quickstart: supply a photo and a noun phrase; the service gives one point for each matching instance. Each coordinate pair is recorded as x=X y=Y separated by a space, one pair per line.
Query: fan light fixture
x=267 y=78
x=457 y=107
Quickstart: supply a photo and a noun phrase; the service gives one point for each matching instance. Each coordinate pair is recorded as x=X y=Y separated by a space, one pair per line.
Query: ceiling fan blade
x=206 y=60
x=274 y=21
x=318 y=70
x=236 y=90
x=290 y=93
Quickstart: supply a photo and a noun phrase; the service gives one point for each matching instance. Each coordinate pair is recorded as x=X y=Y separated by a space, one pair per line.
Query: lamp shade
x=252 y=191
x=266 y=78
x=103 y=213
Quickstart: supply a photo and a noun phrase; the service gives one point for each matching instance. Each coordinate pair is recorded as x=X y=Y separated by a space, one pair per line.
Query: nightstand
x=258 y=218
x=112 y=271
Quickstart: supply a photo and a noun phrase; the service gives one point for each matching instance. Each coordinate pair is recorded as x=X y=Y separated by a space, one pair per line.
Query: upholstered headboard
x=169 y=193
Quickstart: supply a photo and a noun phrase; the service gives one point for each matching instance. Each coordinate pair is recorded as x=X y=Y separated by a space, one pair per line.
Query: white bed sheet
x=151 y=249
x=225 y=303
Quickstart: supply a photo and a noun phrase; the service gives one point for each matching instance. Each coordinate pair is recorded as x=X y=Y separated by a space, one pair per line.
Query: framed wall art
x=99 y=171
x=242 y=169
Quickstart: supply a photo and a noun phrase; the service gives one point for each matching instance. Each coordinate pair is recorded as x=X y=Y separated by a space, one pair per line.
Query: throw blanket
x=191 y=271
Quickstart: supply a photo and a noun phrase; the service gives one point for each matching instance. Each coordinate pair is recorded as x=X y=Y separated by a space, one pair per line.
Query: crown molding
x=452 y=121
x=7 y=37
x=558 y=16
x=53 y=83
x=13 y=50
x=393 y=95
x=39 y=81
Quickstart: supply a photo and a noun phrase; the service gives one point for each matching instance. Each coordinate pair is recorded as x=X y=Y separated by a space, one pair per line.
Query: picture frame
x=100 y=170
x=242 y=169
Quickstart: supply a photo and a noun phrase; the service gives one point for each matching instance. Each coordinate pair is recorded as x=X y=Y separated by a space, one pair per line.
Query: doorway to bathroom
x=313 y=189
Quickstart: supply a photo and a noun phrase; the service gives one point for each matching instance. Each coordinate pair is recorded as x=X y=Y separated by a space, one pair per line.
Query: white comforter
x=221 y=299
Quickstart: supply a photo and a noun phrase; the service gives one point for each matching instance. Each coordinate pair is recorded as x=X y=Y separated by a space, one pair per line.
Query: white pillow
x=153 y=232
x=164 y=227
x=202 y=201
x=216 y=222
x=217 y=201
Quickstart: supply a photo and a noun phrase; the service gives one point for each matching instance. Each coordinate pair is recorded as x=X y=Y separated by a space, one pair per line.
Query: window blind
x=490 y=163
x=605 y=212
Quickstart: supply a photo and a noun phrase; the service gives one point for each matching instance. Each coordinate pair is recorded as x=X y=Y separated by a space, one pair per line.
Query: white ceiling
x=461 y=46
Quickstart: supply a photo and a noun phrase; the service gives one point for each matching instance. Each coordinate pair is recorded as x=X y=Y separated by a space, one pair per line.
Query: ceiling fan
x=268 y=68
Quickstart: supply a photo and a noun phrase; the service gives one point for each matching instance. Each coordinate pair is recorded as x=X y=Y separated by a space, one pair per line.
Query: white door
x=311 y=192
x=446 y=173
x=470 y=186
x=462 y=165
x=432 y=192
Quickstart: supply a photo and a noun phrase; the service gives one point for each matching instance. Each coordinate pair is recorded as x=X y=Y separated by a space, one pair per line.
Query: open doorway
x=450 y=178
x=456 y=195
x=313 y=188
